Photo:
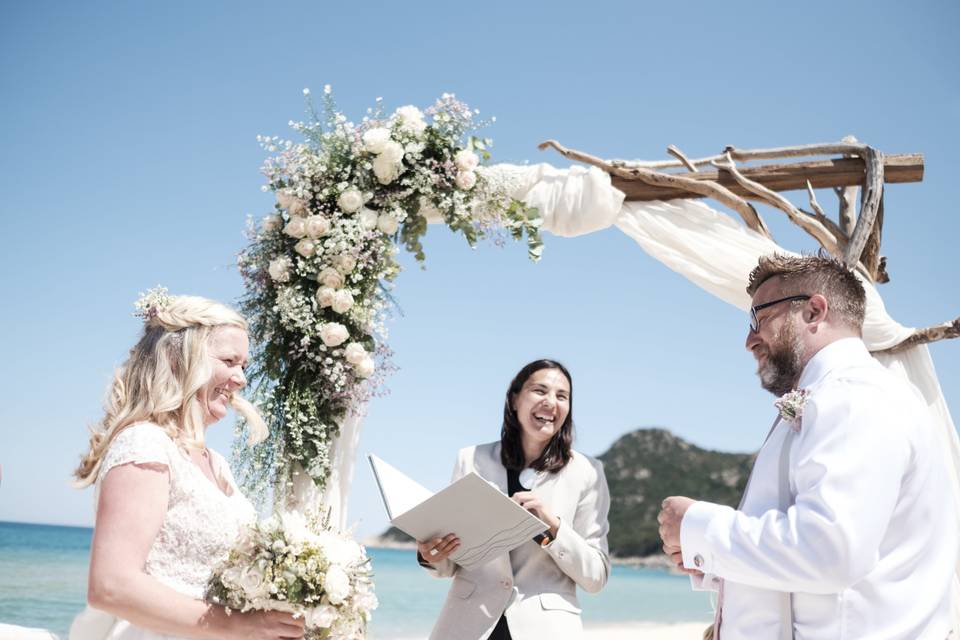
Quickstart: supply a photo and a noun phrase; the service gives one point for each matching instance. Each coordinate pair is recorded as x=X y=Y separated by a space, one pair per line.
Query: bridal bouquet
x=318 y=267
x=289 y=563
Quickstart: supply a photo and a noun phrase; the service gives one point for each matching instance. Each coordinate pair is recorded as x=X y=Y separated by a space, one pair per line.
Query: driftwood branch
x=847 y=216
x=871 y=258
x=869 y=205
x=679 y=155
x=944 y=331
x=827 y=238
x=670 y=181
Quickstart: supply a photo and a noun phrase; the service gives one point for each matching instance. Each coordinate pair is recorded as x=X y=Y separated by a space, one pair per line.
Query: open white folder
x=487 y=522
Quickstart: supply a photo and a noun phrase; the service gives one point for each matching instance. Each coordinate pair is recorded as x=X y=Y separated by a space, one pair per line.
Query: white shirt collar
x=839 y=353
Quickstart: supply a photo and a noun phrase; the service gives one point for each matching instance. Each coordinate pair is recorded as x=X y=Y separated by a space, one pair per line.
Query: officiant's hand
x=672 y=510
x=529 y=501
x=438 y=549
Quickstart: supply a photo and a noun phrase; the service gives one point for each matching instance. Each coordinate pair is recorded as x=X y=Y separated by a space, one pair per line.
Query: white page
x=487 y=522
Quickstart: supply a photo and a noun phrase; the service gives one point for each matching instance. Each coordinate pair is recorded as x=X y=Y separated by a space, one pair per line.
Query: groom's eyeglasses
x=755 y=321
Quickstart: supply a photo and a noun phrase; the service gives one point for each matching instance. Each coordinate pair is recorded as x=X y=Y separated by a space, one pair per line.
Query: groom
x=847 y=528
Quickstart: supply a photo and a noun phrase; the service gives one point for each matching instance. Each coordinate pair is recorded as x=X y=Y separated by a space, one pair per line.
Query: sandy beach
x=647 y=631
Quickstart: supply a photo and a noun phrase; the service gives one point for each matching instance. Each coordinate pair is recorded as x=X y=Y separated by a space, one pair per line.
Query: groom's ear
x=816 y=309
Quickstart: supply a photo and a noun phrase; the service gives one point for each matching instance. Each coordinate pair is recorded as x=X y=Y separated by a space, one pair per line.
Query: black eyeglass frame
x=755 y=321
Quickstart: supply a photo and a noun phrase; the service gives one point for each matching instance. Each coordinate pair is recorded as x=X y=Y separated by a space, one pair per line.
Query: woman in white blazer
x=530 y=592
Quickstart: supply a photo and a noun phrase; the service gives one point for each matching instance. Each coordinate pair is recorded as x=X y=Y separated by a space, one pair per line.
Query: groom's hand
x=671 y=515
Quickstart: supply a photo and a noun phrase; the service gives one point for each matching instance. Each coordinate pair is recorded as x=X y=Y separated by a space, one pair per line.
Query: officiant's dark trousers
x=501 y=631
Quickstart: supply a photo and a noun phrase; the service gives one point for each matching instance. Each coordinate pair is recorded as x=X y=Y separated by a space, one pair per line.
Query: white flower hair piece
x=791 y=406
x=151 y=303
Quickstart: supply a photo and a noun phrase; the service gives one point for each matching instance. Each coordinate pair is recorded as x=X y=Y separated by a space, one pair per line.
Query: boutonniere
x=791 y=406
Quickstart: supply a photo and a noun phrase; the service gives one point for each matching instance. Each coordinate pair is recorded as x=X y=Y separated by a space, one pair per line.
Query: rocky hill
x=643 y=467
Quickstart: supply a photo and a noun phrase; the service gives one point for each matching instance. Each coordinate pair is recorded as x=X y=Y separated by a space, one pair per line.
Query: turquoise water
x=43 y=576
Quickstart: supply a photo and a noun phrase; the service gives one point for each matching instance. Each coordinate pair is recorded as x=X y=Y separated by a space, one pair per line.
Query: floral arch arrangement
x=317 y=270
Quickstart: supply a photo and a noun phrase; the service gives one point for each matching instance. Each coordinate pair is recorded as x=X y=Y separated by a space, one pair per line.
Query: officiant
x=530 y=592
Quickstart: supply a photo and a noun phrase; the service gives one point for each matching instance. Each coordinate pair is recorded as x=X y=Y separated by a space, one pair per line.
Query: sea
x=43 y=578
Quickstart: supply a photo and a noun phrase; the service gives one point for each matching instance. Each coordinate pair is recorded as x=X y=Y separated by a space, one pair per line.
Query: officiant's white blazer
x=536 y=587
x=869 y=545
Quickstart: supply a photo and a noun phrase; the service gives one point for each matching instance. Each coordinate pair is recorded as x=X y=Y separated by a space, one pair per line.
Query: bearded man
x=847 y=528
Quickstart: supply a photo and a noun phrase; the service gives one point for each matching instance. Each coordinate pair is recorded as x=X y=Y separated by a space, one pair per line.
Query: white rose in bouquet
x=294 y=206
x=296 y=228
x=272 y=223
x=280 y=269
x=411 y=119
x=387 y=223
x=306 y=248
x=252 y=581
x=330 y=277
x=325 y=296
x=345 y=263
x=368 y=219
x=295 y=527
x=321 y=617
x=350 y=201
x=466 y=180
x=333 y=334
x=317 y=226
x=375 y=139
x=354 y=353
x=385 y=170
x=466 y=160
x=336 y=583
x=366 y=367
x=342 y=301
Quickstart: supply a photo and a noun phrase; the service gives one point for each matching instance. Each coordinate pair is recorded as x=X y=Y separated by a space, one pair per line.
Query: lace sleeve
x=141 y=443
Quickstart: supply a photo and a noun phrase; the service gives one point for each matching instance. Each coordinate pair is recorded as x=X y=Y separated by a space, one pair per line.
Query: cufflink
x=698 y=560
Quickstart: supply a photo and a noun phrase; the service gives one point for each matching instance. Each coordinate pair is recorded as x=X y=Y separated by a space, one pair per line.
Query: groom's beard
x=781 y=369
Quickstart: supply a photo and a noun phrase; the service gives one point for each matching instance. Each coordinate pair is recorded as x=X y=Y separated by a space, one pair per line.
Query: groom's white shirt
x=869 y=546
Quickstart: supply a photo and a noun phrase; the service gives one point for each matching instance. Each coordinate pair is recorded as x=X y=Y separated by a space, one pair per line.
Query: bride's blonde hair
x=161 y=380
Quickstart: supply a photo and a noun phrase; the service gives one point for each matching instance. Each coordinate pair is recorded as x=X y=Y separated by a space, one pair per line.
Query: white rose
x=387 y=224
x=375 y=139
x=354 y=353
x=333 y=334
x=294 y=206
x=385 y=170
x=466 y=180
x=324 y=296
x=411 y=119
x=295 y=527
x=429 y=211
x=272 y=223
x=296 y=228
x=280 y=269
x=350 y=200
x=305 y=247
x=366 y=601
x=342 y=301
x=231 y=577
x=345 y=263
x=321 y=617
x=368 y=219
x=366 y=367
x=392 y=152
x=330 y=277
x=466 y=160
x=337 y=584
x=251 y=581
x=317 y=226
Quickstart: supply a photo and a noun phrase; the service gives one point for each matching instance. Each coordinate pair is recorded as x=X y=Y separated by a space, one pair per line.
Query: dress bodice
x=201 y=523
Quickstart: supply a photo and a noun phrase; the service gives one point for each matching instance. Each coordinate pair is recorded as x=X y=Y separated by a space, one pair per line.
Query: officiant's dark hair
x=558 y=451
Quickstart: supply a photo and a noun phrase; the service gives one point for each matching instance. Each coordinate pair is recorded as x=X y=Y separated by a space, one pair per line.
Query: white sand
x=647 y=631
x=633 y=631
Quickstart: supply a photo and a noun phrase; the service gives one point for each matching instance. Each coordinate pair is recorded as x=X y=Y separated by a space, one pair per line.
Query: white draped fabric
x=709 y=248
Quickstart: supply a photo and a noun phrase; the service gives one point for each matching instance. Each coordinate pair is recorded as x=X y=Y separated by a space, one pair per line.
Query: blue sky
x=130 y=160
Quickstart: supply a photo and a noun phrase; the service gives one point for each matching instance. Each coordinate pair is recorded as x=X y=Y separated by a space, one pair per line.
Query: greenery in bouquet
x=301 y=566
x=317 y=270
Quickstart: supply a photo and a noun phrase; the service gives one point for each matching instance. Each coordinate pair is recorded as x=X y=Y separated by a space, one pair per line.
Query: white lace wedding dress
x=200 y=526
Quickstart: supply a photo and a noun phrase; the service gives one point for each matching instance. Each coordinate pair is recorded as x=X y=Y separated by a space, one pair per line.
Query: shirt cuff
x=695 y=528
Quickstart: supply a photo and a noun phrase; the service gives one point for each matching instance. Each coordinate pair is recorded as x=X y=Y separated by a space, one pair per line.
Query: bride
x=167 y=508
